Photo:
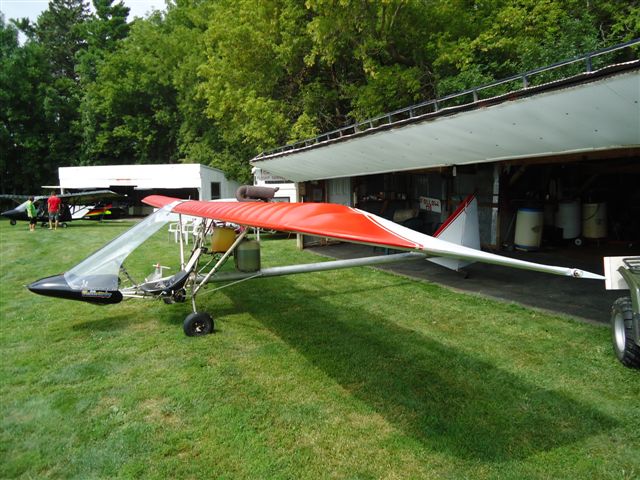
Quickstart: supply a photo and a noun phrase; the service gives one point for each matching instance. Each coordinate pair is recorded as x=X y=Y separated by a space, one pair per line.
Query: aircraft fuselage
x=20 y=214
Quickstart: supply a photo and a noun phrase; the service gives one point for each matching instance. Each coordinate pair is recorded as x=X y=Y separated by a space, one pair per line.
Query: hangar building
x=558 y=146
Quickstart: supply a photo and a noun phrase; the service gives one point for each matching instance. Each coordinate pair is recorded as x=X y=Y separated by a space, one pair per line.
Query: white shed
x=184 y=180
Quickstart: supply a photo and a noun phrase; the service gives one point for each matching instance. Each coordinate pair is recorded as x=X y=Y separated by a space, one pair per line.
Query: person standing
x=53 y=205
x=32 y=214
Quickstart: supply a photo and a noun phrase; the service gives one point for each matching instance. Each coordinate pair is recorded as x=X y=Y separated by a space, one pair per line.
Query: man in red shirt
x=53 y=205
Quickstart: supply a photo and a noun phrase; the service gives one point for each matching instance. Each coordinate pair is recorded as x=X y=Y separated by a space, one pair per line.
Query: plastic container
x=568 y=219
x=528 y=229
x=594 y=220
x=247 y=256
x=222 y=239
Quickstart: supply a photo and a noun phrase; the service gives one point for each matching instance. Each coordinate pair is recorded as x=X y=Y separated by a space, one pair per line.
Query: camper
x=287 y=191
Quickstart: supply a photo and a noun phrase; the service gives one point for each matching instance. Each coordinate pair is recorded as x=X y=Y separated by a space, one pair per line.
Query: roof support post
x=495 y=201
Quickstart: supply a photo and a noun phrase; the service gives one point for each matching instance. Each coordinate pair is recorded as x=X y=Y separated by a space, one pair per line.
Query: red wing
x=321 y=219
x=349 y=224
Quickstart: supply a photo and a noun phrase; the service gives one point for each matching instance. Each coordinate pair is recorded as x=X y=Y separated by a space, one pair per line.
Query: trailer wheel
x=197 y=324
x=622 y=333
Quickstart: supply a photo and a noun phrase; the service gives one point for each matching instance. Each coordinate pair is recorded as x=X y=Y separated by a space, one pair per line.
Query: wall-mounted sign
x=264 y=176
x=430 y=204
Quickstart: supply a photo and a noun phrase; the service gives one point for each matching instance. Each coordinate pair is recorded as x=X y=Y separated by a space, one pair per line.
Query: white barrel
x=568 y=219
x=528 y=229
x=594 y=220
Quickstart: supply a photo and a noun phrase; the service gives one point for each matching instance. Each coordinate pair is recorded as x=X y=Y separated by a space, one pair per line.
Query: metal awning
x=595 y=111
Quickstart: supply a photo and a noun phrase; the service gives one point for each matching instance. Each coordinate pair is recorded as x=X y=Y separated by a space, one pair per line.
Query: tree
x=373 y=52
x=24 y=162
x=249 y=80
x=198 y=138
x=520 y=35
x=219 y=82
x=102 y=32
x=59 y=34
x=60 y=30
x=129 y=112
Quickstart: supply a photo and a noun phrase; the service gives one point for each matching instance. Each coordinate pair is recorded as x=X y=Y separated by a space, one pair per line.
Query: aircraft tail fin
x=461 y=228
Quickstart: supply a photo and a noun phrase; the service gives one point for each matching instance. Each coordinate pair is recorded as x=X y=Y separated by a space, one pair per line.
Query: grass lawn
x=351 y=374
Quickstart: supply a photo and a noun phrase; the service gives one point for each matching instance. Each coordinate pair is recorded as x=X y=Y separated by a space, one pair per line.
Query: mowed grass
x=351 y=374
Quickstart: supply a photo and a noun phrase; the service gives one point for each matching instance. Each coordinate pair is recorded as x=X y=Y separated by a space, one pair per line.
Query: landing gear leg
x=201 y=323
x=197 y=323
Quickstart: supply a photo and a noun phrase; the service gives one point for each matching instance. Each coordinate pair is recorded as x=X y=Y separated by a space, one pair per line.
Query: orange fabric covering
x=321 y=219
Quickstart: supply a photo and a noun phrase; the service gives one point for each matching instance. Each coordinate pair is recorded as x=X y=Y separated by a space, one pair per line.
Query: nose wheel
x=197 y=324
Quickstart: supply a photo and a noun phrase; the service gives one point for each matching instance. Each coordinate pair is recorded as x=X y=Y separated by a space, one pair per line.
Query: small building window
x=215 y=190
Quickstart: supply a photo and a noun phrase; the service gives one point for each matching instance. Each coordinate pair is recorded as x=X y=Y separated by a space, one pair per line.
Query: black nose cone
x=58 y=287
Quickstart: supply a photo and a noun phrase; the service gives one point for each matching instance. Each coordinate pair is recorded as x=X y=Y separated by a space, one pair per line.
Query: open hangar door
x=132 y=197
x=414 y=199
x=592 y=204
x=423 y=199
x=585 y=207
x=581 y=204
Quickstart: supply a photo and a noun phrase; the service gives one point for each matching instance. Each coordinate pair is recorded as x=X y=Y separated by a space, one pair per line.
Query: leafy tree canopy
x=217 y=82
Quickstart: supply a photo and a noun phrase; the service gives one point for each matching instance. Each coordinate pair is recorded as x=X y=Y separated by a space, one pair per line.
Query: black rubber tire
x=198 y=324
x=13 y=221
x=622 y=333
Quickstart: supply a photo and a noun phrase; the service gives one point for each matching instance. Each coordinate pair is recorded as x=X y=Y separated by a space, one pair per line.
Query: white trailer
x=287 y=190
x=207 y=183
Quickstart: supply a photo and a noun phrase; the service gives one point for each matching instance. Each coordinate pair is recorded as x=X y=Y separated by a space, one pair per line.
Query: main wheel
x=197 y=324
x=622 y=333
x=13 y=221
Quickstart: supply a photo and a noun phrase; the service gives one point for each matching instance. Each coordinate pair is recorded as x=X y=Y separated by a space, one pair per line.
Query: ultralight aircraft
x=103 y=279
x=104 y=211
x=74 y=206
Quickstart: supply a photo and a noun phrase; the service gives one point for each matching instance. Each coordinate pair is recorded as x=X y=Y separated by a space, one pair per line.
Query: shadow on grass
x=104 y=224
x=105 y=323
x=75 y=224
x=448 y=400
